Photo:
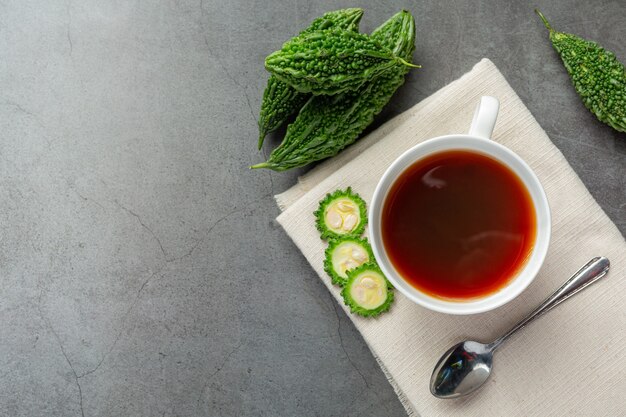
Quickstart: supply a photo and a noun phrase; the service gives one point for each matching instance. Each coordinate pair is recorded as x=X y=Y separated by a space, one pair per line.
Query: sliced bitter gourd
x=344 y=254
x=367 y=292
x=341 y=213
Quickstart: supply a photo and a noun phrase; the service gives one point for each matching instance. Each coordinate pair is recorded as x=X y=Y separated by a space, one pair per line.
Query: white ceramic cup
x=478 y=140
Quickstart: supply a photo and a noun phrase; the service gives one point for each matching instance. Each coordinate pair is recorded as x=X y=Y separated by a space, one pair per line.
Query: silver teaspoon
x=466 y=366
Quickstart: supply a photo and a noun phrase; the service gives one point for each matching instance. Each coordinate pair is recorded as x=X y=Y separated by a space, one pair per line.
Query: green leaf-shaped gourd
x=344 y=254
x=341 y=213
x=327 y=124
x=331 y=62
x=367 y=292
x=597 y=75
x=280 y=100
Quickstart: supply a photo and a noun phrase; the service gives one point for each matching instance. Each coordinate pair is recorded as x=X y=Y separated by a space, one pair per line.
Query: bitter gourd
x=331 y=62
x=347 y=19
x=280 y=100
x=345 y=254
x=327 y=124
x=597 y=75
x=341 y=213
x=367 y=292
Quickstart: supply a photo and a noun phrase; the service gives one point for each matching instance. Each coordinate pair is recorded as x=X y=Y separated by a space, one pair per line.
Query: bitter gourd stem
x=408 y=64
x=261 y=165
x=545 y=21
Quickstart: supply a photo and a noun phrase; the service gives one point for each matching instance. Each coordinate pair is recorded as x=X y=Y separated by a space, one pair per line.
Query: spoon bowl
x=467 y=365
x=462 y=369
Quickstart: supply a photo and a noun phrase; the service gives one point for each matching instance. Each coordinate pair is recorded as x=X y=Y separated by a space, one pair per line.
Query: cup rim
x=523 y=277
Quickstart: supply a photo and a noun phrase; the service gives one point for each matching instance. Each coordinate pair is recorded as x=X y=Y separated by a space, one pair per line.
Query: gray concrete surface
x=141 y=270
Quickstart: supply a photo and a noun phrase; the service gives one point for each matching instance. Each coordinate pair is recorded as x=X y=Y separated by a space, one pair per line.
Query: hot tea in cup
x=458 y=224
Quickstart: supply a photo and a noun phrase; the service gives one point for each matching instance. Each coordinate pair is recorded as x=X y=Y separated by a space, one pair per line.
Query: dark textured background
x=141 y=270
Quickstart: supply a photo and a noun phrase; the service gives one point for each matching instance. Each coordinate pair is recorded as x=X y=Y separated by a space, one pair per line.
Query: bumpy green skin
x=351 y=302
x=398 y=35
x=281 y=100
x=325 y=232
x=597 y=75
x=328 y=261
x=330 y=62
x=327 y=124
x=347 y=19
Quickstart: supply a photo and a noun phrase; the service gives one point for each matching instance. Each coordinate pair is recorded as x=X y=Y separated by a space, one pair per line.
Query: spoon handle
x=585 y=276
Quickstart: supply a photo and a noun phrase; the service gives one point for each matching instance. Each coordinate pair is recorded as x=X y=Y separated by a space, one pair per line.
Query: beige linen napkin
x=572 y=362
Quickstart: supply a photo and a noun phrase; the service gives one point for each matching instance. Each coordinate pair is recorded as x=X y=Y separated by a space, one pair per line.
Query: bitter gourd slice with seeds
x=344 y=254
x=367 y=292
x=341 y=213
x=327 y=124
x=331 y=61
x=280 y=100
x=597 y=75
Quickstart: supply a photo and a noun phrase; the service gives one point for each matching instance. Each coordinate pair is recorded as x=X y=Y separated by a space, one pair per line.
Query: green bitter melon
x=344 y=254
x=342 y=213
x=327 y=124
x=280 y=100
x=597 y=75
x=367 y=292
x=331 y=62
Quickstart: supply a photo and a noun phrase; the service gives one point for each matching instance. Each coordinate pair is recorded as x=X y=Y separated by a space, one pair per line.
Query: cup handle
x=485 y=117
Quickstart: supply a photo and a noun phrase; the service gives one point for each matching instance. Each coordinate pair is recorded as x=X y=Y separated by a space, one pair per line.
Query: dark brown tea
x=458 y=225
